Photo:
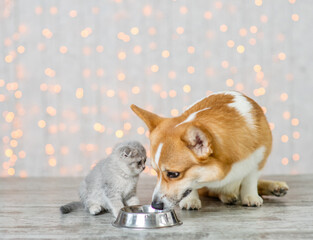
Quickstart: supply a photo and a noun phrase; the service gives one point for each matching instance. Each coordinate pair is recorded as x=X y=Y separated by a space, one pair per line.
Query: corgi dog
x=220 y=143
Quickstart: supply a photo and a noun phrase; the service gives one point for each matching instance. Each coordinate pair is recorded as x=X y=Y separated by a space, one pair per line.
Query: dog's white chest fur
x=238 y=171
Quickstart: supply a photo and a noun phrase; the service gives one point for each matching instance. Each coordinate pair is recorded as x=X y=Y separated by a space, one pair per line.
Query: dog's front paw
x=279 y=189
x=252 y=201
x=95 y=209
x=190 y=203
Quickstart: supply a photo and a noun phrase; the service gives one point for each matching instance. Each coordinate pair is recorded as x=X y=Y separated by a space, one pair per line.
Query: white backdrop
x=69 y=71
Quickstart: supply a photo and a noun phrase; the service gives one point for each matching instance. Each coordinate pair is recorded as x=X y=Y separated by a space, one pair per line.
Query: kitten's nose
x=157 y=205
x=143 y=168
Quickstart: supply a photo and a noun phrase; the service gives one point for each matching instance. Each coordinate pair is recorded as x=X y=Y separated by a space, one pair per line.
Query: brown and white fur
x=221 y=143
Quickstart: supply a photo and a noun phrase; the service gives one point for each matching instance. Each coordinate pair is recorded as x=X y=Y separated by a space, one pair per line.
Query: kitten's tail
x=67 y=208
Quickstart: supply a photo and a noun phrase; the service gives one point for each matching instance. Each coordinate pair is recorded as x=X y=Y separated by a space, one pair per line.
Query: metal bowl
x=145 y=217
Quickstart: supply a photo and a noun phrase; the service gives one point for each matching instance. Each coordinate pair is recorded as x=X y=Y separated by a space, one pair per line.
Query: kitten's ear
x=125 y=152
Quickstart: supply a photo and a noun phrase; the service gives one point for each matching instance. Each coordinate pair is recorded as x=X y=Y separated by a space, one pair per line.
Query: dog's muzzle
x=156 y=204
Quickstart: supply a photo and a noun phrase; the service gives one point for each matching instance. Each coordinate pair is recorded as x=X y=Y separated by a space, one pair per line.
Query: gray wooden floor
x=29 y=208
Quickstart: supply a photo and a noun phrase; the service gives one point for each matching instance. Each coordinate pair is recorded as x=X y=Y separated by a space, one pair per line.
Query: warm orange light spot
x=8 y=59
x=295 y=17
x=264 y=18
x=284 y=138
x=98 y=127
x=72 y=13
x=53 y=10
x=49 y=149
x=121 y=55
x=9 y=117
x=191 y=49
x=243 y=32
x=63 y=49
x=284 y=97
x=172 y=75
x=43 y=87
x=22 y=154
x=292 y=1
x=190 y=69
x=52 y=162
x=41 y=123
x=208 y=15
x=38 y=10
x=121 y=76
x=286 y=115
x=229 y=82
x=127 y=126
x=153 y=172
x=163 y=94
x=156 y=88
x=64 y=150
x=296 y=135
x=99 y=48
x=225 y=64
x=51 y=111
x=79 y=93
x=252 y=41
x=2 y=82
x=11 y=171
x=257 y=68
x=147 y=10
x=284 y=161
x=152 y=31
x=134 y=30
x=119 y=133
x=8 y=152
x=17 y=133
x=295 y=122
x=137 y=49
x=49 y=72
x=172 y=93
x=18 y=94
x=180 y=30
x=223 y=28
x=86 y=32
x=140 y=130
x=183 y=10
x=240 y=49
x=230 y=43
x=47 y=33
x=281 y=56
x=253 y=29
x=154 y=68
x=186 y=88
x=2 y=98
x=239 y=87
x=13 y=143
x=23 y=174
x=110 y=93
x=259 y=91
x=174 y=112
x=20 y=49
x=135 y=90
x=165 y=53
x=296 y=157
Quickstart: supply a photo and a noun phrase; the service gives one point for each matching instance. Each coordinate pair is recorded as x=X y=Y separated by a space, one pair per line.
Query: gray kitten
x=112 y=182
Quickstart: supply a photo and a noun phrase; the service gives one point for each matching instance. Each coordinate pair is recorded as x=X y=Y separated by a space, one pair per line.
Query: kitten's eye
x=139 y=163
x=173 y=174
x=145 y=160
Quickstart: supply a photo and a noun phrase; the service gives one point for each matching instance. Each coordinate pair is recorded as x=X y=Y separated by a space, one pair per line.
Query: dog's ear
x=151 y=120
x=199 y=141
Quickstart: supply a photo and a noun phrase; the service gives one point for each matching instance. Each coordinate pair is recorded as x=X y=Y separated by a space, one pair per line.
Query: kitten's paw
x=252 y=201
x=228 y=198
x=190 y=203
x=279 y=189
x=95 y=209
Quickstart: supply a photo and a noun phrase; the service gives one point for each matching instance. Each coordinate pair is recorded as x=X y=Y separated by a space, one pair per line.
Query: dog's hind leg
x=276 y=188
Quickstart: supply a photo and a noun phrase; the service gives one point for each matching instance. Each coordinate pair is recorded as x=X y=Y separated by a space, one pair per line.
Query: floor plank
x=29 y=208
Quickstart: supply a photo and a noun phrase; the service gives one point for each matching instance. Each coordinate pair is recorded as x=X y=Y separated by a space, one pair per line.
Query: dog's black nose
x=157 y=205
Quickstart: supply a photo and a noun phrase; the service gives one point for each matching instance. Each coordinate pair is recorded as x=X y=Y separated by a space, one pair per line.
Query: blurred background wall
x=69 y=71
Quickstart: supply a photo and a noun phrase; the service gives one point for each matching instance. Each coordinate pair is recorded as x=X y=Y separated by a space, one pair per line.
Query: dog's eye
x=173 y=174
